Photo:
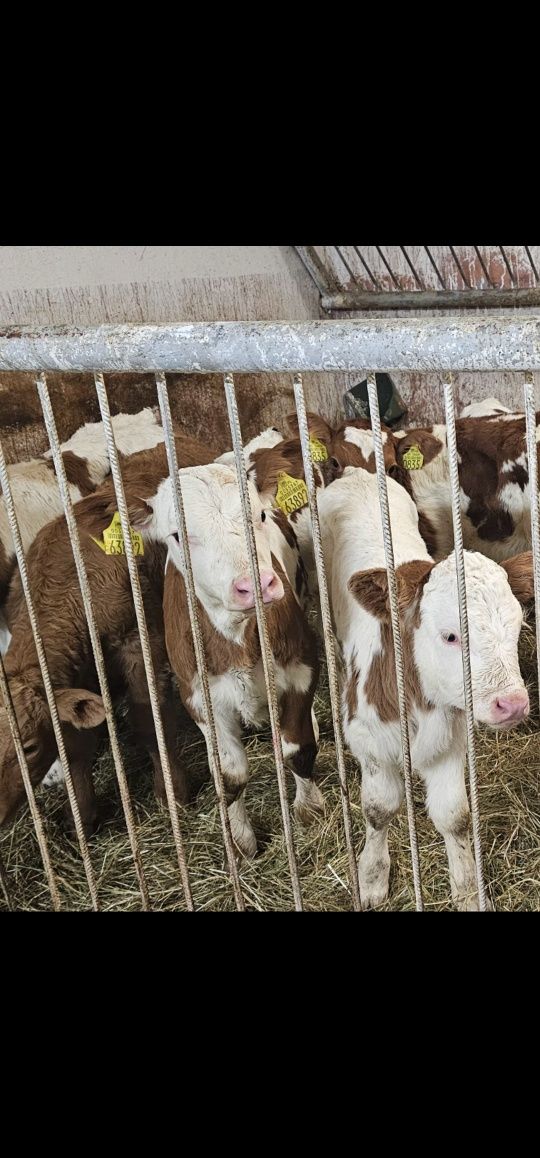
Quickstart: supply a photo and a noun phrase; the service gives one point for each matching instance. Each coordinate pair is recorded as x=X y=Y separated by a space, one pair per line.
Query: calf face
x=428 y=592
x=216 y=537
x=76 y=707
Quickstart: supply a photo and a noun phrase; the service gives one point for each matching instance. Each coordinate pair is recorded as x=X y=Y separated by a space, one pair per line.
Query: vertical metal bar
x=266 y=652
x=341 y=255
x=5 y=885
x=202 y=667
x=530 y=257
x=435 y=267
x=371 y=275
x=464 y=622
x=417 y=279
x=396 y=632
x=329 y=643
x=532 y=452
x=86 y=593
x=45 y=675
x=143 y=634
x=28 y=787
x=324 y=277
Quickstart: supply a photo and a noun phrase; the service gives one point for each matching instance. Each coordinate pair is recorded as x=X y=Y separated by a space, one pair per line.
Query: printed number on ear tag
x=319 y=452
x=291 y=494
x=413 y=458
x=113 y=539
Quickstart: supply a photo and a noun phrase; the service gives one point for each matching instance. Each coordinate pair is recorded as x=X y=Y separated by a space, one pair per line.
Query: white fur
x=488 y=407
x=5 y=635
x=132 y=433
x=266 y=439
x=437 y=736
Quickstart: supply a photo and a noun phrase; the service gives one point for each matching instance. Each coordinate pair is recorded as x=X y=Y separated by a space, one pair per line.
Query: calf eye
x=263 y=517
x=450 y=637
x=176 y=536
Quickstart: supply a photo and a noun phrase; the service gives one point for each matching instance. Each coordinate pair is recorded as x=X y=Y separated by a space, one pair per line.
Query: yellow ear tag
x=319 y=452
x=291 y=493
x=413 y=458
x=113 y=539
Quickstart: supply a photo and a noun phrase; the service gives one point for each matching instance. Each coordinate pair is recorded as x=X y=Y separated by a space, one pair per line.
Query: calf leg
x=141 y=717
x=235 y=771
x=382 y=797
x=299 y=737
x=448 y=808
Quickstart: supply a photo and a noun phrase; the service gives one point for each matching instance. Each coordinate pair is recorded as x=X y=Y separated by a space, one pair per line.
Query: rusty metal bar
x=143 y=634
x=396 y=632
x=342 y=258
x=45 y=675
x=465 y=644
x=328 y=634
x=507 y=264
x=470 y=299
x=435 y=266
x=367 y=269
x=28 y=787
x=86 y=594
x=484 y=342
x=533 y=267
x=417 y=278
x=198 y=644
x=532 y=455
x=324 y=278
x=484 y=266
x=458 y=263
x=389 y=268
x=266 y=651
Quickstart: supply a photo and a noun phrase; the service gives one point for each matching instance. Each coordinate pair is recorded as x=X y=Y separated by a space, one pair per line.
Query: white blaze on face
x=495 y=619
x=218 y=548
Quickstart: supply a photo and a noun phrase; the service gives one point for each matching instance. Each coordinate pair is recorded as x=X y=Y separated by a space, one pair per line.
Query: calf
x=35 y=490
x=428 y=602
x=487 y=408
x=65 y=635
x=226 y=609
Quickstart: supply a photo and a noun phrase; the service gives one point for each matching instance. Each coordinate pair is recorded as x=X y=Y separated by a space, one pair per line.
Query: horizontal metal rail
x=485 y=342
x=469 y=299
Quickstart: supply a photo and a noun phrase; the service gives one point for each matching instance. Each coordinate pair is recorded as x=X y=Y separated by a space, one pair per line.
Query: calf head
x=77 y=709
x=428 y=599
x=217 y=543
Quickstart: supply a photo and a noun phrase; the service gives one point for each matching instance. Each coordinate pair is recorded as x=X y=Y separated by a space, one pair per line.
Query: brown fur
x=520 y=571
x=77 y=472
x=424 y=439
x=60 y=611
x=370 y=588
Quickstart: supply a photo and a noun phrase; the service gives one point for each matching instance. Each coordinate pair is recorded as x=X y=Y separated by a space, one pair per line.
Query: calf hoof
x=244 y=838
x=373 y=881
x=309 y=803
x=90 y=823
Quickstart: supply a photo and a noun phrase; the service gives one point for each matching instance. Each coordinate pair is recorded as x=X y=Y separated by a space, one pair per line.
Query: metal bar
x=5 y=885
x=266 y=651
x=532 y=451
x=28 y=787
x=45 y=675
x=390 y=271
x=396 y=632
x=507 y=264
x=484 y=266
x=464 y=622
x=484 y=342
x=143 y=634
x=417 y=279
x=321 y=274
x=469 y=299
x=435 y=266
x=533 y=267
x=328 y=634
x=458 y=263
x=200 y=657
x=86 y=593
x=341 y=255
x=370 y=274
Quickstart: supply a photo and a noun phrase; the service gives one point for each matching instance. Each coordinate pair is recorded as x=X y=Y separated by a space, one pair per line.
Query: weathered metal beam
x=470 y=299
x=323 y=275
x=483 y=342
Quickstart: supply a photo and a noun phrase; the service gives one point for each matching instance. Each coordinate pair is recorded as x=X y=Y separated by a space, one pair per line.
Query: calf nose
x=271 y=586
x=511 y=708
x=244 y=595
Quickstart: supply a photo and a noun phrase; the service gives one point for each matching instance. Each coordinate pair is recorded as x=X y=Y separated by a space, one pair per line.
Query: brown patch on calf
x=520 y=571
x=370 y=588
x=426 y=441
x=317 y=426
x=76 y=471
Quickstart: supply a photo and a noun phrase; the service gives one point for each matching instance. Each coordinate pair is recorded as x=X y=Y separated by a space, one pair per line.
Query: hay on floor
x=509 y=775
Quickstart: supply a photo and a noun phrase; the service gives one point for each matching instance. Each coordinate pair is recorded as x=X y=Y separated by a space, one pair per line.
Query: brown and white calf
x=35 y=489
x=428 y=601
x=226 y=608
x=487 y=408
x=65 y=635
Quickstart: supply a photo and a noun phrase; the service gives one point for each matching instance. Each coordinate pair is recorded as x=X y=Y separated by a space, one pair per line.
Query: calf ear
x=317 y=426
x=411 y=580
x=520 y=572
x=370 y=588
x=140 y=513
x=80 y=708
